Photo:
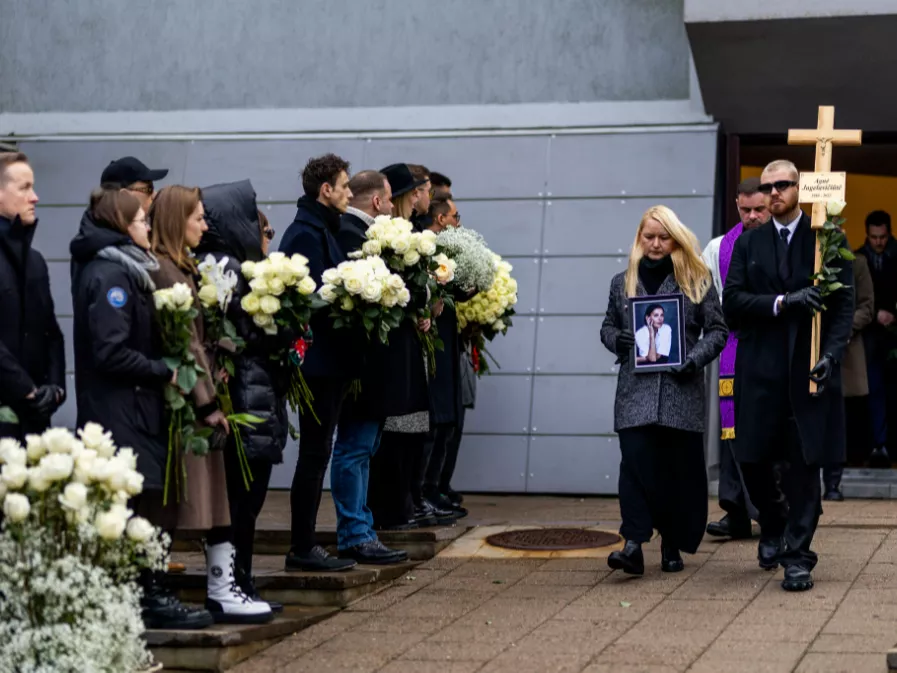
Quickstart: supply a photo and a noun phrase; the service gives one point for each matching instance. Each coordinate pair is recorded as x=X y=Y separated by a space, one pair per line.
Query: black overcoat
x=772 y=369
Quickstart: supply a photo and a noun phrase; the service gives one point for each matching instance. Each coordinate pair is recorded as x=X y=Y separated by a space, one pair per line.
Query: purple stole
x=727 y=358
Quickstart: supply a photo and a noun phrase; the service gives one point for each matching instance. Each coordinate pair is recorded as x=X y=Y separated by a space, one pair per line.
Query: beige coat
x=204 y=505
x=853 y=369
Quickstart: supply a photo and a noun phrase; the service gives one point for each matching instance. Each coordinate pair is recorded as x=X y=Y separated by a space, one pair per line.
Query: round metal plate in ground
x=553 y=539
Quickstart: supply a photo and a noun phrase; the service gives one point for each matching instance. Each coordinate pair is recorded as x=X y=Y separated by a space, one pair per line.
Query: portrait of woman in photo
x=655 y=339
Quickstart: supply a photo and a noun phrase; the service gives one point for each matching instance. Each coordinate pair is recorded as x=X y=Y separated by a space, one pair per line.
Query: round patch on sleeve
x=117 y=297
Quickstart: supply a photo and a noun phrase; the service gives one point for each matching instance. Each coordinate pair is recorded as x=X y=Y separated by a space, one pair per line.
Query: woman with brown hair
x=178 y=223
x=120 y=376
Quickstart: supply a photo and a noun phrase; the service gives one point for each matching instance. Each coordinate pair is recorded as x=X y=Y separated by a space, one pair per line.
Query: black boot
x=768 y=552
x=731 y=527
x=630 y=560
x=797 y=578
x=671 y=560
x=160 y=609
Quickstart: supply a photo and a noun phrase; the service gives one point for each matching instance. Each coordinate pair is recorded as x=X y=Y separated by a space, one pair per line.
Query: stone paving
x=519 y=615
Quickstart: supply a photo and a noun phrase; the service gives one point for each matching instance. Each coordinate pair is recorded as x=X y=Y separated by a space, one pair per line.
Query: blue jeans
x=356 y=443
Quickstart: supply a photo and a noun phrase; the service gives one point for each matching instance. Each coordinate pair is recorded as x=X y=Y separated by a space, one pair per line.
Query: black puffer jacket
x=120 y=377
x=259 y=383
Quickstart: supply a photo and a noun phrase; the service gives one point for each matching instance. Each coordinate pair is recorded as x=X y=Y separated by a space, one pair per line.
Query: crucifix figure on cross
x=821 y=187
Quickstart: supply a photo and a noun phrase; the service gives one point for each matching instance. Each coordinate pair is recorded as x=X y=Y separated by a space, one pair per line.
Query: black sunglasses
x=779 y=185
x=269 y=234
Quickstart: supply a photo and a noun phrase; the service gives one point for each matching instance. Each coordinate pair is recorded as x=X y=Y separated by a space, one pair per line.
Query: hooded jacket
x=120 y=377
x=259 y=383
x=32 y=352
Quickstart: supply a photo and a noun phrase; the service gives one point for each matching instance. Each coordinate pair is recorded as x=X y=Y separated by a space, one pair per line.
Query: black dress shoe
x=768 y=553
x=730 y=527
x=880 y=458
x=797 y=578
x=442 y=502
x=374 y=552
x=428 y=512
x=317 y=560
x=630 y=559
x=671 y=560
x=453 y=495
x=833 y=494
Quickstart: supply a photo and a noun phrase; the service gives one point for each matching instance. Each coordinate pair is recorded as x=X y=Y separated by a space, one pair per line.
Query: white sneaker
x=224 y=598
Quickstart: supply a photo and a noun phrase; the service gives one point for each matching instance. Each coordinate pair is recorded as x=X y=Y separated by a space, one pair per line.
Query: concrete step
x=223 y=646
x=335 y=589
x=421 y=544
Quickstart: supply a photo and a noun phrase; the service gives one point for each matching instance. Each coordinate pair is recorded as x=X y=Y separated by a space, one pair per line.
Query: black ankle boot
x=630 y=559
x=671 y=560
x=161 y=609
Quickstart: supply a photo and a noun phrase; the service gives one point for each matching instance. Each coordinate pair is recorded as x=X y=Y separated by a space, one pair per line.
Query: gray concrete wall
x=107 y=55
x=561 y=207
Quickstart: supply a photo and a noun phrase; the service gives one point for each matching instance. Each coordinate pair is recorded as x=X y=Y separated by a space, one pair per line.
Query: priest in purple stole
x=733 y=497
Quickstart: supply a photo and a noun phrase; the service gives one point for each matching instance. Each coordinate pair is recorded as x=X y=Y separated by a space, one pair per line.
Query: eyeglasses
x=458 y=216
x=145 y=189
x=779 y=185
x=269 y=233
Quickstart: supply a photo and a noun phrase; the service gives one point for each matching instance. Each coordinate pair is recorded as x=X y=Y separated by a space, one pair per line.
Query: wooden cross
x=825 y=137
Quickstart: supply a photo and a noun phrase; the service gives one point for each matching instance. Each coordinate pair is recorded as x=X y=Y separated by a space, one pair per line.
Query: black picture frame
x=671 y=340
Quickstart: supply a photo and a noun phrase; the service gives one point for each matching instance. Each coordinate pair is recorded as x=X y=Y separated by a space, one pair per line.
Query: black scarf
x=652 y=272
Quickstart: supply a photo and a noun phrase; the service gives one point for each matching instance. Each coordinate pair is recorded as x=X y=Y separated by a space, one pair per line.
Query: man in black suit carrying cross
x=770 y=299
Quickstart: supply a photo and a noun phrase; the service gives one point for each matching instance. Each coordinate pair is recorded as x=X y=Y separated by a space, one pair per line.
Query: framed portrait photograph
x=657 y=322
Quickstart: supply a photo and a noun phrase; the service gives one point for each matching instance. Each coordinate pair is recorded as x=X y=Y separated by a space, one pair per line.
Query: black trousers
x=733 y=497
x=791 y=513
x=392 y=477
x=315 y=447
x=663 y=485
x=245 y=504
x=436 y=448
x=453 y=445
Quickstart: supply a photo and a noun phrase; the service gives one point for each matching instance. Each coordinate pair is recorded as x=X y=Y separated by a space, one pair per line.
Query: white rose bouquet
x=70 y=552
x=363 y=293
x=488 y=314
x=175 y=314
x=412 y=255
x=216 y=291
x=282 y=296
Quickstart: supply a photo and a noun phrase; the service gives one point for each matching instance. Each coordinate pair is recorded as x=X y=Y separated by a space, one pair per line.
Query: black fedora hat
x=400 y=179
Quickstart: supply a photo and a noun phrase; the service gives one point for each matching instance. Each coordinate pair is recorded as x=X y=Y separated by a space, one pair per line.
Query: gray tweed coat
x=661 y=398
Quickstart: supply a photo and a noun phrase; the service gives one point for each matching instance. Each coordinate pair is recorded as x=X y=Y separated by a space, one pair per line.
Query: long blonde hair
x=692 y=275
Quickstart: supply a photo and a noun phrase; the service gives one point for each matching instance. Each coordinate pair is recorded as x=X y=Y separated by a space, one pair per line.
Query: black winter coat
x=335 y=352
x=446 y=402
x=32 y=352
x=258 y=385
x=120 y=376
x=773 y=365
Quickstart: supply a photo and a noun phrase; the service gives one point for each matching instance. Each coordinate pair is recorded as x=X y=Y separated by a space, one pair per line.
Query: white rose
x=269 y=304
x=34 y=447
x=14 y=475
x=250 y=303
x=128 y=457
x=84 y=465
x=347 y=304
x=110 y=525
x=208 y=295
x=299 y=265
x=411 y=258
x=427 y=247
x=139 y=529
x=444 y=274
x=58 y=440
x=327 y=293
x=105 y=449
x=162 y=300
x=117 y=479
x=372 y=292
x=266 y=322
x=834 y=208
x=277 y=258
x=16 y=507
x=12 y=453
x=37 y=479
x=371 y=247
x=181 y=296
x=498 y=325
x=74 y=497
x=259 y=285
x=93 y=434
x=404 y=296
x=134 y=483
x=248 y=269
x=331 y=277
x=353 y=284
x=306 y=286
x=395 y=283
x=277 y=286
x=57 y=466
x=100 y=469
x=389 y=298
x=402 y=243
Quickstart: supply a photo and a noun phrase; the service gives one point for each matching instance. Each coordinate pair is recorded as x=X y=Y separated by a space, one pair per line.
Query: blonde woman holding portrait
x=660 y=415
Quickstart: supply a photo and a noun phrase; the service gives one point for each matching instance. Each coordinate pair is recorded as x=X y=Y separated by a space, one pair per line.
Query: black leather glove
x=686 y=369
x=625 y=342
x=45 y=401
x=808 y=298
x=822 y=372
